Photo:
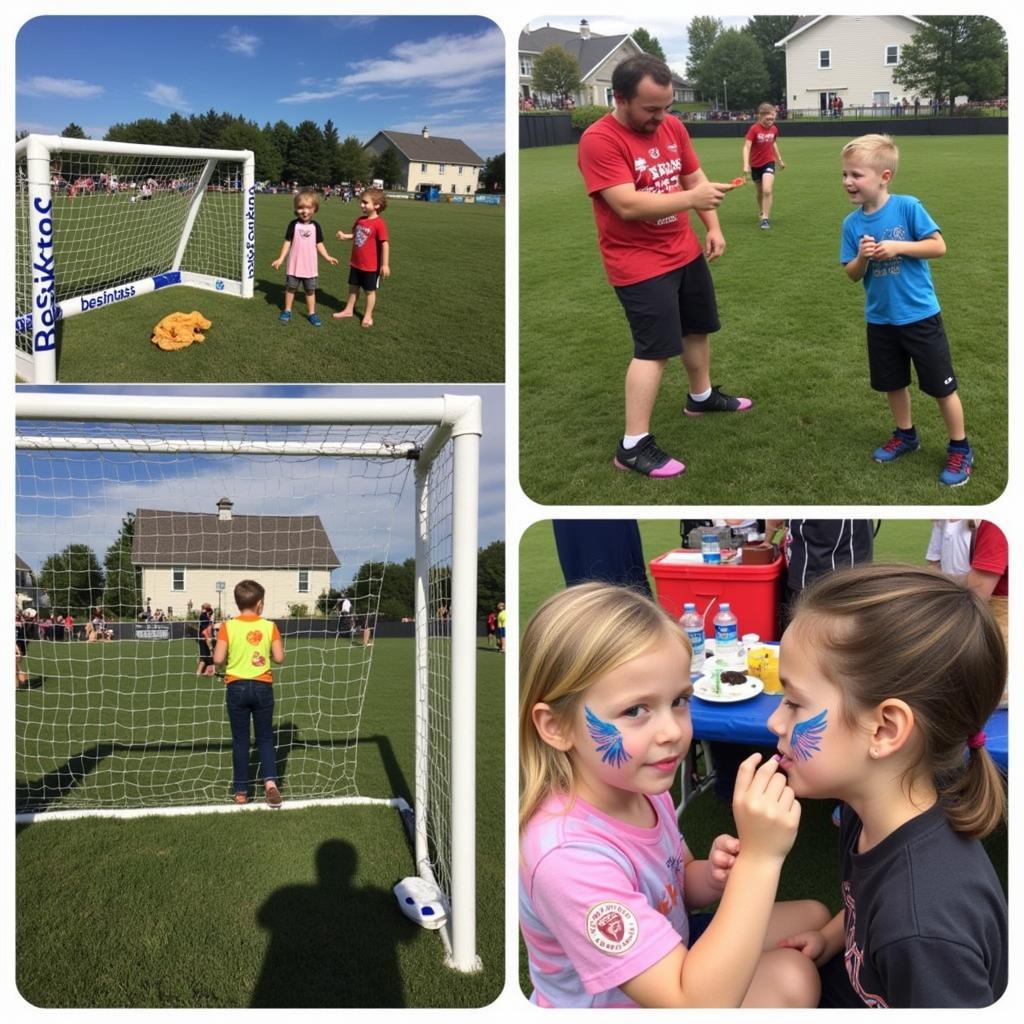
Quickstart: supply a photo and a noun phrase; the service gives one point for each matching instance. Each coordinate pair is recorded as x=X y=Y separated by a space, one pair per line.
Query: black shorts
x=893 y=347
x=368 y=280
x=662 y=310
x=757 y=173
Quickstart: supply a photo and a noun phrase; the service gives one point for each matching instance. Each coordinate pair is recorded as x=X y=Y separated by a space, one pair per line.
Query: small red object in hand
x=736 y=182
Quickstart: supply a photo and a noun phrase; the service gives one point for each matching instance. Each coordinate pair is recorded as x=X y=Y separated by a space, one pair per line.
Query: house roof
x=806 y=21
x=251 y=542
x=589 y=53
x=431 y=150
x=21 y=565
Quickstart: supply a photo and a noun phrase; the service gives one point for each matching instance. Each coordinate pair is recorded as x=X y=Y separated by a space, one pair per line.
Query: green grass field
x=440 y=316
x=239 y=909
x=792 y=338
x=811 y=870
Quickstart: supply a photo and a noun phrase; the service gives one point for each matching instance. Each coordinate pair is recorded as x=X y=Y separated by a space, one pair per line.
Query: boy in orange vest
x=245 y=646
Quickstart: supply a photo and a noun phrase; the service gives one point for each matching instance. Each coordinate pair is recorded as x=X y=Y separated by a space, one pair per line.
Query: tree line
x=75 y=581
x=305 y=153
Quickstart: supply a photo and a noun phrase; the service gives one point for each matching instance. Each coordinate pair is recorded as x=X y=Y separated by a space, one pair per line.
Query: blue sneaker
x=313 y=319
x=896 y=446
x=959 y=463
x=285 y=317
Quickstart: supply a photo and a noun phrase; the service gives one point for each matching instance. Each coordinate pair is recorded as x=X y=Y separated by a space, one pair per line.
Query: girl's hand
x=277 y=264
x=811 y=944
x=721 y=858
x=333 y=262
x=765 y=809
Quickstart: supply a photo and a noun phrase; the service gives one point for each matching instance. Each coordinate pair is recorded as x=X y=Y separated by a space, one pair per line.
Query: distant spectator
x=917 y=105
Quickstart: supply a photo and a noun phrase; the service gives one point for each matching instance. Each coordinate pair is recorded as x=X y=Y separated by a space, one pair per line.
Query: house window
x=526 y=66
x=892 y=56
x=824 y=59
x=460 y=168
x=178 y=578
x=440 y=168
x=303 y=581
x=423 y=168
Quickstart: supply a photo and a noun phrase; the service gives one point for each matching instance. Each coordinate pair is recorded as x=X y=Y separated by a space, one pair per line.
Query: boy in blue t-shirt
x=887 y=243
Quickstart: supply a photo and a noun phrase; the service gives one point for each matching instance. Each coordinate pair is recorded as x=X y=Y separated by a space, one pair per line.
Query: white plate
x=705 y=689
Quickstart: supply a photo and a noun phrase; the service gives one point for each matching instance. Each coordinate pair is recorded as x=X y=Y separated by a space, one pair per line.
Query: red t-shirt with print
x=992 y=554
x=370 y=235
x=762 y=143
x=612 y=154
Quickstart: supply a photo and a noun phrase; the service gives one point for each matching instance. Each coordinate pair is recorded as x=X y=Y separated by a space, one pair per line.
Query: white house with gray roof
x=431 y=160
x=851 y=56
x=185 y=555
x=597 y=56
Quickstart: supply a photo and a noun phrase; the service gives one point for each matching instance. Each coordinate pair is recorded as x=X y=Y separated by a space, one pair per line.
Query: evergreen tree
x=307 y=158
x=388 y=168
x=147 y=131
x=73 y=579
x=767 y=30
x=332 y=153
x=490 y=577
x=353 y=161
x=180 y=131
x=283 y=135
x=245 y=135
x=122 y=592
x=73 y=131
x=492 y=178
x=648 y=43
x=701 y=32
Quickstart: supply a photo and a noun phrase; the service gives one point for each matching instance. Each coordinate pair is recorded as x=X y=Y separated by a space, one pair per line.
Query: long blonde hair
x=576 y=636
x=911 y=633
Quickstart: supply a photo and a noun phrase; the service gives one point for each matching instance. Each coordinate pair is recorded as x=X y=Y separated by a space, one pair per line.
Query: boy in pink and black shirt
x=303 y=243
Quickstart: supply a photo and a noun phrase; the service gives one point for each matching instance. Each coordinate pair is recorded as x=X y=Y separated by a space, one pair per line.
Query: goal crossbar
x=66 y=221
x=123 y=423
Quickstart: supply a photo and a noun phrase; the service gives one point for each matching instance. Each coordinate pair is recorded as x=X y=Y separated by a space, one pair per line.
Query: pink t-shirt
x=611 y=154
x=600 y=901
x=302 y=256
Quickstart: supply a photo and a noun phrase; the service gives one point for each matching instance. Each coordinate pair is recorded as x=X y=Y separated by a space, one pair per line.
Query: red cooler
x=753 y=591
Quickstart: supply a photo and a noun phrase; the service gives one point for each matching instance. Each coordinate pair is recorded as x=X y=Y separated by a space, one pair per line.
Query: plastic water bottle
x=710 y=550
x=726 y=630
x=693 y=626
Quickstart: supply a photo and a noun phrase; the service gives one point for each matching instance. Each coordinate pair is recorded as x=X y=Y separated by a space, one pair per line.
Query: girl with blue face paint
x=889 y=674
x=607 y=884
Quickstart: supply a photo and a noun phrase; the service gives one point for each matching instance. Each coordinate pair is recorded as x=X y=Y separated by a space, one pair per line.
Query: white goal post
x=96 y=738
x=101 y=222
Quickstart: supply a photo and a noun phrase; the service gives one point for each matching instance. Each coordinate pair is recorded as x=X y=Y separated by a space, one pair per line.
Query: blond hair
x=766 y=108
x=878 y=152
x=899 y=631
x=307 y=195
x=576 y=636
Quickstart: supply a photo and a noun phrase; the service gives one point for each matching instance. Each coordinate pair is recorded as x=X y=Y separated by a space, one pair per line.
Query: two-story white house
x=850 y=56
x=597 y=55
x=197 y=557
x=431 y=160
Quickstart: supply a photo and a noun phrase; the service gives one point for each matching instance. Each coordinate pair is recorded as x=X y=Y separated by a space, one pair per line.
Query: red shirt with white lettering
x=612 y=154
x=762 y=143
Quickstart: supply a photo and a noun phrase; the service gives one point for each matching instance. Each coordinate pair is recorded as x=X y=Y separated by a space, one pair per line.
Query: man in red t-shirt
x=760 y=155
x=643 y=177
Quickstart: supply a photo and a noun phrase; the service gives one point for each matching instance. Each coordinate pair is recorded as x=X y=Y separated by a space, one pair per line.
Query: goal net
x=100 y=222
x=134 y=513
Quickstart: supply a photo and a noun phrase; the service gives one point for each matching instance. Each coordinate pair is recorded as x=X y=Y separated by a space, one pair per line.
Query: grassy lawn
x=792 y=339
x=811 y=870
x=241 y=909
x=440 y=316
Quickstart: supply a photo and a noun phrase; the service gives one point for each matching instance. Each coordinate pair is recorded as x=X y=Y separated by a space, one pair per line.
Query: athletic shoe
x=273 y=795
x=959 y=463
x=896 y=446
x=285 y=317
x=241 y=798
x=717 y=401
x=765 y=225
x=649 y=459
x=314 y=319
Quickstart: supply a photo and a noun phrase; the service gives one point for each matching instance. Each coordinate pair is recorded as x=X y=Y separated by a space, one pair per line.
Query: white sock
x=702 y=397
x=631 y=440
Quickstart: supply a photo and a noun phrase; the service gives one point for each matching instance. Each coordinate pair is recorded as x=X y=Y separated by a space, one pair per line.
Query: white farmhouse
x=852 y=57
x=431 y=161
x=185 y=555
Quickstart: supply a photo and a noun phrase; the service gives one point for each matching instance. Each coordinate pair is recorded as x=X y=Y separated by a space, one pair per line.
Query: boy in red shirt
x=370 y=253
x=760 y=155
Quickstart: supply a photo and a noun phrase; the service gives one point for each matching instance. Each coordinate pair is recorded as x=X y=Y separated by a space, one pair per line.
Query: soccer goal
x=179 y=499
x=101 y=222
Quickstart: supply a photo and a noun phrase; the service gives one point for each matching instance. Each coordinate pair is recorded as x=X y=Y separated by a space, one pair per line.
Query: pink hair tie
x=977 y=741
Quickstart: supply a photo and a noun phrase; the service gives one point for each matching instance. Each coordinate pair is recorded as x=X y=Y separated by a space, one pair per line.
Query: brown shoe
x=273 y=795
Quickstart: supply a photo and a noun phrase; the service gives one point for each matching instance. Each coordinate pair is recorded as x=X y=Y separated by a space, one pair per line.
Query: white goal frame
x=453 y=419
x=39 y=366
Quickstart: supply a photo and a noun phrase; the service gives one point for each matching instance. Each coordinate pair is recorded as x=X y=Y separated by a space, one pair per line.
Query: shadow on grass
x=357 y=926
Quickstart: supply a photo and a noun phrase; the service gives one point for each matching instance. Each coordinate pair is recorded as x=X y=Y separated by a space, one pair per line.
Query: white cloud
x=238 y=41
x=483 y=131
x=66 y=88
x=167 y=96
x=444 y=99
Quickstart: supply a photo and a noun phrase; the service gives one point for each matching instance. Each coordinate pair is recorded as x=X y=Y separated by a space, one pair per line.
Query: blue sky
x=364 y=73
x=87 y=496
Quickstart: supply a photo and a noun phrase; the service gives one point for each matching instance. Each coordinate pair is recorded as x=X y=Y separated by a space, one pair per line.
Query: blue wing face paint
x=608 y=740
x=806 y=738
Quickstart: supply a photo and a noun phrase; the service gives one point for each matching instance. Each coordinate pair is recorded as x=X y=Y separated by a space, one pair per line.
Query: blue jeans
x=247 y=697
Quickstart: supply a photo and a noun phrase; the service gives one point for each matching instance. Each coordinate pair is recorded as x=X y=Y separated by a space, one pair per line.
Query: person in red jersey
x=760 y=156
